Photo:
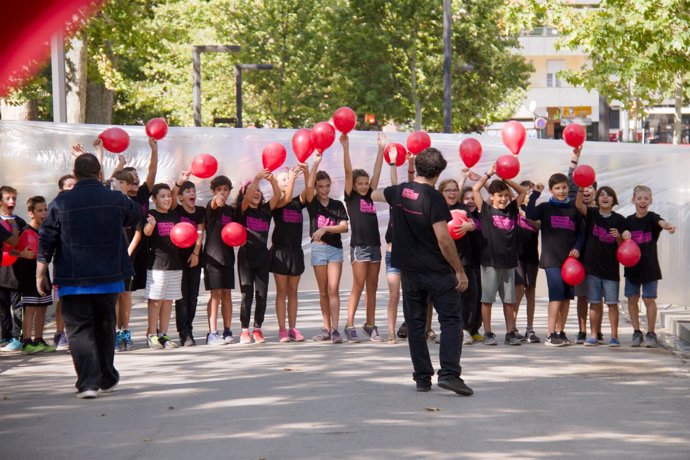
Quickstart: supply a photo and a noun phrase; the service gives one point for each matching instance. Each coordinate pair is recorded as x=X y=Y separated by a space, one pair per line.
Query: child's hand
x=614 y=233
x=42 y=285
x=410 y=158
x=185 y=175
x=318 y=157
x=304 y=168
x=539 y=187
x=626 y=235
x=220 y=201
x=97 y=142
x=492 y=169
x=318 y=234
x=345 y=141
x=193 y=260
x=150 y=220
x=121 y=161
x=78 y=149
x=473 y=176
x=574 y=253
x=381 y=140
x=27 y=254
x=153 y=143
x=576 y=152
x=671 y=229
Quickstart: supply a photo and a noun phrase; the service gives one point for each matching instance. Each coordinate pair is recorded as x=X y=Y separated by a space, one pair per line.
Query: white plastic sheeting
x=33 y=155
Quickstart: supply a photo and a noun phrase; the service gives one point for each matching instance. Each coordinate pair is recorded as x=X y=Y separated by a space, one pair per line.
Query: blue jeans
x=440 y=288
x=90 y=326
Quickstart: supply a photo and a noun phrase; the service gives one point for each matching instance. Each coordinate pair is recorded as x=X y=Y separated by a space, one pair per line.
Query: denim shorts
x=390 y=270
x=598 y=288
x=648 y=289
x=323 y=254
x=558 y=289
x=365 y=254
x=501 y=280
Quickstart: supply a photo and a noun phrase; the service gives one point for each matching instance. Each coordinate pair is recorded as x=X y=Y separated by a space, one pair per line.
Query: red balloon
x=572 y=271
x=507 y=166
x=574 y=135
x=234 y=234
x=183 y=235
x=400 y=152
x=344 y=119
x=513 y=135
x=322 y=136
x=273 y=156
x=156 y=128
x=28 y=240
x=459 y=218
x=302 y=145
x=628 y=253
x=584 y=176
x=204 y=166
x=115 y=140
x=470 y=151
x=418 y=141
x=8 y=259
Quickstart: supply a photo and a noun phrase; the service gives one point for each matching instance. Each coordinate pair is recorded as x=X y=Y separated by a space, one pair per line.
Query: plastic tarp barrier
x=34 y=155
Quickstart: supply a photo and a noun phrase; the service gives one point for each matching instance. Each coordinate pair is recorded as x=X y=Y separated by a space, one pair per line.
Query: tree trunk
x=23 y=112
x=99 y=104
x=76 y=79
x=678 y=120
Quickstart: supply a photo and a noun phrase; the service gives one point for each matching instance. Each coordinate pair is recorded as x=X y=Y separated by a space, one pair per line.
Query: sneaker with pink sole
x=295 y=335
x=258 y=335
x=283 y=336
x=245 y=337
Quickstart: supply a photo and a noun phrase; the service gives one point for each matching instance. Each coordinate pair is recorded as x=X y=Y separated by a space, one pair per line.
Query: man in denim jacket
x=82 y=235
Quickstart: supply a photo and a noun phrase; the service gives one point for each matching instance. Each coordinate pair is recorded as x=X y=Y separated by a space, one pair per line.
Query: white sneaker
x=87 y=394
x=467 y=338
x=154 y=342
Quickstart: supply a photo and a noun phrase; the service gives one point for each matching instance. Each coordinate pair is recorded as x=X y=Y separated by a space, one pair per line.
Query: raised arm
x=184 y=177
x=312 y=178
x=378 y=164
x=519 y=189
x=347 y=163
x=579 y=202
x=275 y=199
x=153 y=164
x=410 y=167
x=477 y=187
x=252 y=188
x=574 y=160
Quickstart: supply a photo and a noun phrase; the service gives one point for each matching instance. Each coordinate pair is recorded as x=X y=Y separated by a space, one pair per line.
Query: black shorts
x=526 y=274
x=219 y=277
x=286 y=261
x=128 y=284
x=139 y=279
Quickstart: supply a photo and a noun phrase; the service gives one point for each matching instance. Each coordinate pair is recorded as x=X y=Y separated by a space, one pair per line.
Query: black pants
x=253 y=272
x=90 y=325
x=471 y=305
x=185 y=308
x=440 y=289
x=10 y=313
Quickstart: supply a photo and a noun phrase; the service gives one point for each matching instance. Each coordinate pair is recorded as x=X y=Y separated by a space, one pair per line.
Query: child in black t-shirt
x=645 y=227
x=499 y=251
x=475 y=238
x=327 y=220
x=254 y=213
x=528 y=264
x=164 y=268
x=185 y=307
x=365 y=240
x=604 y=232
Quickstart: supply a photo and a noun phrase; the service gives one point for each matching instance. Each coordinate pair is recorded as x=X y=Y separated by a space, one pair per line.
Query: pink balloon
x=234 y=234
x=572 y=271
x=628 y=253
x=513 y=135
x=204 y=166
x=344 y=119
x=273 y=156
x=459 y=218
x=322 y=136
x=8 y=259
x=574 y=135
x=115 y=140
x=302 y=145
x=28 y=240
x=401 y=153
x=418 y=141
x=183 y=235
x=584 y=176
x=507 y=166
x=156 y=128
x=470 y=151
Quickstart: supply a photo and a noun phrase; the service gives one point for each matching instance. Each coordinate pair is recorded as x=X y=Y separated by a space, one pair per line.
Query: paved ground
x=313 y=401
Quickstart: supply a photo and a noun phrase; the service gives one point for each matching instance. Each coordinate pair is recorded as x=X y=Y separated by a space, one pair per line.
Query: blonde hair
x=641 y=189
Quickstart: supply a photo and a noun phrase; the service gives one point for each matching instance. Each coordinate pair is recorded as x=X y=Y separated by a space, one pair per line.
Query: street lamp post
x=238 y=85
x=447 y=78
x=196 y=64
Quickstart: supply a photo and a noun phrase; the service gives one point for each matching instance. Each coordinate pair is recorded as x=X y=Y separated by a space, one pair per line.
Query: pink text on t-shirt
x=187 y=219
x=562 y=222
x=410 y=194
x=503 y=222
x=225 y=219
x=323 y=221
x=602 y=234
x=367 y=207
x=640 y=236
x=164 y=228
x=258 y=225
x=290 y=216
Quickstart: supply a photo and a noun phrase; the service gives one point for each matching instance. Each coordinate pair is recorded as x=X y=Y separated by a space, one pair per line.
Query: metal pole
x=238 y=95
x=447 y=78
x=57 y=62
x=196 y=91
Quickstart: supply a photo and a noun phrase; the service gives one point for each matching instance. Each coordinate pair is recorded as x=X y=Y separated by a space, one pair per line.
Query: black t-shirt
x=476 y=239
x=4 y=234
x=528 y=241
x=560 y=227
x=216 y=252
x=415 y=208
x=389 y=229
x=163 y=254
x=257 y=221
x=463 y=245
x=325 y=216
x=600 y=249
x=645 y=232
x=363 y=221
x=288 y=224
x=195 y=218
x=499 y=236
x=142 y=197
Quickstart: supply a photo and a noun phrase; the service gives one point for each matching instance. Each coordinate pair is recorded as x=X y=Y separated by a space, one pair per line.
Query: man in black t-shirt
x=429 y=268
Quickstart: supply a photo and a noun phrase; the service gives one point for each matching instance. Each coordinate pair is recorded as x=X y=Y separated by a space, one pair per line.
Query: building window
x=553 y=66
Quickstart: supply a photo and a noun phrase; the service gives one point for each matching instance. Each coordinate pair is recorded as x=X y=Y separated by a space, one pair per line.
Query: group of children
x=497 y=244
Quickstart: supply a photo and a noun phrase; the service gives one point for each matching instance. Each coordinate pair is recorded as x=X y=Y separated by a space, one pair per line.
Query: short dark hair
x=129 y=168
x=63 y=179
x=186 y=185
x=86 y=166
x=33 y=201
x=430 y=163
x=526 y=183
x=158 y=187
x=498 y=186
x=557 y=178
x=321 y=175
x=126 y=176
x=219 y=181
x=609 y=191
x=464 y=190
x=8 y=189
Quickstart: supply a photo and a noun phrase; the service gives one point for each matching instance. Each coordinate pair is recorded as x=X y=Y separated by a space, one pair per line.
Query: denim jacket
x=82 y=234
